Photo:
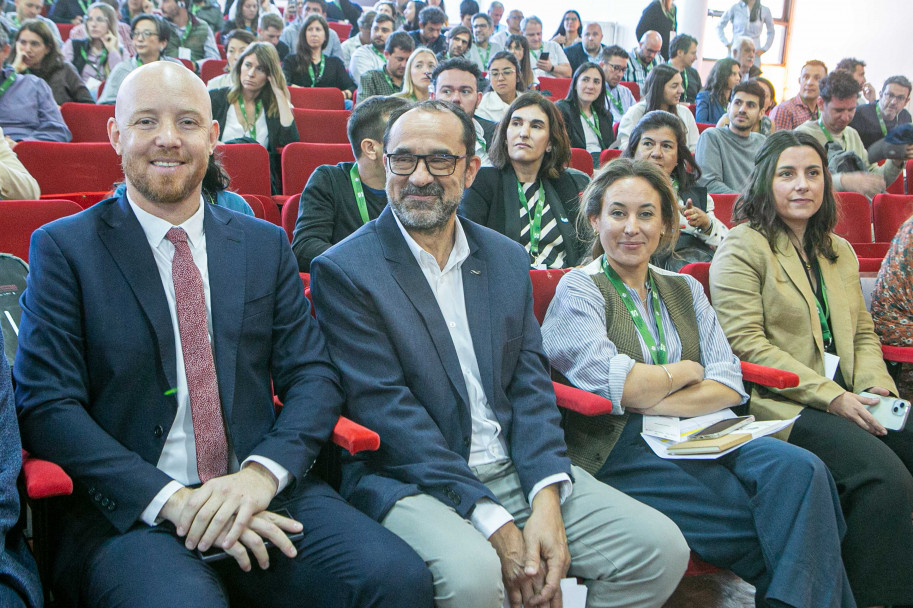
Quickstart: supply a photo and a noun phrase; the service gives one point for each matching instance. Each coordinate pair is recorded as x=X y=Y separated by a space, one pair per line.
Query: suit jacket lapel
x=408 y=275
x=478 y=312
x=125 y=240
x=511 y=201
x=792 y=265
x=226 y=261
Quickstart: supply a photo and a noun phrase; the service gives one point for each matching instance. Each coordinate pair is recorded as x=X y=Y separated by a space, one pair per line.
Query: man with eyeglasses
x=646 y=57
x=439 y=351
x=590 y=48
x=457 y=81
x=873 y=121
x=619 y=98
x=483 y=47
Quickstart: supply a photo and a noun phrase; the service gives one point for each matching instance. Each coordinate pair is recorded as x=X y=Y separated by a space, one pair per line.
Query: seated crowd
x=189 y=398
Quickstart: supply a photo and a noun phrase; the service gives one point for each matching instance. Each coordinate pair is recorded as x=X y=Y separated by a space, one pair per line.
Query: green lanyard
x=253 y=125
x=390 y=81
x=672 y=16
x=482 y=144
x=884 y=128
x=616 y=101
x=594 y=124
x=827 y=134
x=15 y=20
x=101 y=69
x=84 y=6
x=658 y=352
x=825 y=313
x=487 y=55
x=534 y=54
x=535 y=216
x=323 y=63
x=359 y=194
x=8 y=82
x=186 y=33
x=379 y=54
x=684 y=74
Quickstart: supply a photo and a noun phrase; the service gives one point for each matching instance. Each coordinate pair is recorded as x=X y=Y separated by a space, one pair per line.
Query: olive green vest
x=196 y=40
x=590 y=439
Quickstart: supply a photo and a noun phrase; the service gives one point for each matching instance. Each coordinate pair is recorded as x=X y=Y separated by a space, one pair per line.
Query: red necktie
x=205 y=408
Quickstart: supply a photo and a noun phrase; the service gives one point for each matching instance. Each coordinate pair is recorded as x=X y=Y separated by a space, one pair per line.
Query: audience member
x=683 y=51
x=28 y=9
x=661 y=92
x=371 y=56
x=764 y=126
x=856 y=68
x=595 y=336
x=410 y=15
x=247 y=19
x=588 y=122
x=726 y=155
x=892 y=302
x=343 y=10
x=361 y=39
x=27 y=107
x=440 y=4
x=473 y=459
x=518 y=46
x=450 y=81
x=851 y=173
x=291 y=35
x=590 y=48
x=459 y=40
x=150 y=35
x=748 y=18
x=123 y=31
x=36 y=52
x=645 y=58
x=513 y=21
x=790 y=113
x=482 y=48
x=96 y=55
x=873 y=121
x=256 y=107
x=19 y=585
x=614 y=64
x=130 y=532
x=713 y=99
x=235 y=43
x=568 y=32
x=743 y=51
x=417 y=76
x=548 y=55
x=68 y=11
x=468 y=8
x=659 y=138
x=659 y=16
x=191 y=38
x=496 y=11
x=15 y=180
x=506 y=84
x=529 y=181
x=388 y=79
x=130 y=9
x=269 y=29
x=430 y=23
x=787 y=294
x=309 y=67
x=339 y=199
x=209 y=12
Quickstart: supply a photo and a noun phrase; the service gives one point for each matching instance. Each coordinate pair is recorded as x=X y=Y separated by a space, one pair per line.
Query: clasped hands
x=534 y=561
x=230 y=512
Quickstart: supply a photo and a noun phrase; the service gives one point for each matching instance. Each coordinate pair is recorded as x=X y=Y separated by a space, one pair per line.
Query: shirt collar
x=156 y=228
x=458 y=254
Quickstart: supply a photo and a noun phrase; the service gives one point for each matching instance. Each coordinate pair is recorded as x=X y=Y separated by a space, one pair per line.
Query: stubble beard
x=164 y=192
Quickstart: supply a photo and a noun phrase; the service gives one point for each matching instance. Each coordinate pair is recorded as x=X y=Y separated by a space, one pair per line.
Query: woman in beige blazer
x=767 y=281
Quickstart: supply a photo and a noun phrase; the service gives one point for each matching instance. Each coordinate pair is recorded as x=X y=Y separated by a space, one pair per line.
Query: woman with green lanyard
x=787 y=294
x=588 y=122
x=35 y=51
x=505 y=83
x=150 y=35
x=310 y=67
x=527 y=194
x=94 y=57
x=256 y=107
x=417 y=79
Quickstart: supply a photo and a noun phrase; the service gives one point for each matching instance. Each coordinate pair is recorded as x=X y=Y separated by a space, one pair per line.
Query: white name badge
x=830 y=365
x=184 y=53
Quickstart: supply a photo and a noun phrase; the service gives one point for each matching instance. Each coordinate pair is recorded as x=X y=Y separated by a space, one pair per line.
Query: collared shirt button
x=452 y=324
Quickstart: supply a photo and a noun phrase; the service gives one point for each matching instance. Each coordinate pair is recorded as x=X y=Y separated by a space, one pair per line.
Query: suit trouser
x=344 y=559
x=627 y=553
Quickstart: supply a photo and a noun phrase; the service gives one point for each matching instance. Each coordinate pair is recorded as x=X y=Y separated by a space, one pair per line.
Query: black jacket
x=575 y=127
x=577 y=56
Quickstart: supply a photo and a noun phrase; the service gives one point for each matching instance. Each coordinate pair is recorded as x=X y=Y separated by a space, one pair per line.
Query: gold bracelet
x=665 y=369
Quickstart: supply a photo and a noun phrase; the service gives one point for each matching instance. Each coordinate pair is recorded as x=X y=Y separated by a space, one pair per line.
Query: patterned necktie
x=205 y=408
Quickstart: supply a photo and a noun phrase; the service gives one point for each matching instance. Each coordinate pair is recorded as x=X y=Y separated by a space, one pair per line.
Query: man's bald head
x=157 y=81
x=651 y=43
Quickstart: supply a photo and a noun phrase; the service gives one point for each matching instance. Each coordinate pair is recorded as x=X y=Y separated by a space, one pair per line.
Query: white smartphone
x=891 y=412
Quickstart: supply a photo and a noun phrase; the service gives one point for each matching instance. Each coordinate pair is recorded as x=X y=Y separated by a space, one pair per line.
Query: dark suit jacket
x=492 y=201
x=488 y=129
x=96 y=359
x=575 y=127
x=577 y=56
x=403 y=378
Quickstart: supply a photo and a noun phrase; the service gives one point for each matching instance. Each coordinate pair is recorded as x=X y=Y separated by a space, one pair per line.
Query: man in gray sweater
x=726 y=154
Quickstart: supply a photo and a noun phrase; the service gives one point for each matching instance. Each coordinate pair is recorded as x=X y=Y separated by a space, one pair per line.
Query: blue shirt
x=28 y=110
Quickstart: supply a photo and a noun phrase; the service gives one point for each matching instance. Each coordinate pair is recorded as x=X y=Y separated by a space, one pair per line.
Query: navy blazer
x=96 y=360
x=402 y=375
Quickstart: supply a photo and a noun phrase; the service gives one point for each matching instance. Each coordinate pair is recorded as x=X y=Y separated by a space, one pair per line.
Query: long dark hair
x=758 y=204
x=413 y=25
x=654 y=87
x=554 y=161
x=53 y=60
x=300 y=61
x=718 y=79
x=561 y=29
x=526 y=68
x=599 y=104
x=686 y=171
x=755 y=14
x=507 y=56
x=238 y=22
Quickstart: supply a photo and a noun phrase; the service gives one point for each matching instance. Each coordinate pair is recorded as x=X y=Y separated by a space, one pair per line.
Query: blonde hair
x=408 y=91
x=268 y=58
x=109 y=13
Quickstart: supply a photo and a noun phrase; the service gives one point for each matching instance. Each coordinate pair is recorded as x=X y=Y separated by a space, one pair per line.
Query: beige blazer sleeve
x=15 y=181
x=767 y=309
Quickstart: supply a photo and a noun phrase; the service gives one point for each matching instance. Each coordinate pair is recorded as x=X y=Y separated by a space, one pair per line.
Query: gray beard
x=431 y=219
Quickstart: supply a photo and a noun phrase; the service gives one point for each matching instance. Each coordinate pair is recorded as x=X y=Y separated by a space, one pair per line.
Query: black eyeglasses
x=438 y=165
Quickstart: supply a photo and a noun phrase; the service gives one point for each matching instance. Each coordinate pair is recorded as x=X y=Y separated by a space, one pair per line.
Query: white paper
x=92 y=84
x=830 y=365
x=184 y=53
x=573 y=594
x=755 y=429
x=678 y=429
